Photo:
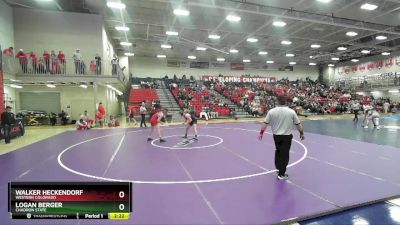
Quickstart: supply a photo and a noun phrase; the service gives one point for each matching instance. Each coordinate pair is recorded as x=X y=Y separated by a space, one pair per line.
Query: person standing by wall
x=62 y=62
x=55 y=69
x=7 y=119
x=281 y=119
x=114 y=63
x=356 y=108
x=386 y=106
x=98 y=64
x=77 y=61
x=23 y=60
x=143 y=112
x=46 y=57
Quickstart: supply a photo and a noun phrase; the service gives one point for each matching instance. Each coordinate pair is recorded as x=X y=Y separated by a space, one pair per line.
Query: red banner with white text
x=238 y=79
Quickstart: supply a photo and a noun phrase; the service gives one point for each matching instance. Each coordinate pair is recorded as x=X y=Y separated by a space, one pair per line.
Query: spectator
x=81 y=124
x=143 y=112
x=386 y=107
x=98 y=64
x=46 y=58
x=53 y=119
x=8 y=56
x=77 y=61
x=23 y=60
x=35 y=62
x=7 y=120
x=87 y=119
x=41 y=69
x=64 y=117
x=62 y=62
x=55 y=69
x=92 y=67
x=114 y=63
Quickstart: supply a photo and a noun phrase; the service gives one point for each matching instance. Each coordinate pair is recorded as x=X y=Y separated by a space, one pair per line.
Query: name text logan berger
x=48 y=192
x=38 y=205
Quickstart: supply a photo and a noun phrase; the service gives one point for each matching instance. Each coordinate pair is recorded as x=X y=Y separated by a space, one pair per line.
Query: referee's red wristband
x=262 y=132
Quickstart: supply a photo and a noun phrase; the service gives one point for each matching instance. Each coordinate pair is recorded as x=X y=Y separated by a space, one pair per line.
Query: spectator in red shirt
x=61 y=60
x=46 y=58
x=35 y=61
x=23 y=60
x=8 y=56
x=92 y=67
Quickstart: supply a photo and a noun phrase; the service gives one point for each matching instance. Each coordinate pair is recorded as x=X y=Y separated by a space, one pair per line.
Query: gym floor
x=227 y=176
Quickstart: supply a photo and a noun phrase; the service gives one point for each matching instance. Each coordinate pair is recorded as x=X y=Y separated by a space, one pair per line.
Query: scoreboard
x=70 y=200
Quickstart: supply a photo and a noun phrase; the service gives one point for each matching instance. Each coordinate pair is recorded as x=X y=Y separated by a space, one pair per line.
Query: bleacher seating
x=137 y=96
x=199 y=101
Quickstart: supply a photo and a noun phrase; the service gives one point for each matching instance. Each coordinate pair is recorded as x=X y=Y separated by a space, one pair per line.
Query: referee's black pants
x=282 y=144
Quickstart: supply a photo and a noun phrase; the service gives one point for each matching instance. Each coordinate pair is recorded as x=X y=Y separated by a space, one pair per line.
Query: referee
x=281 y=119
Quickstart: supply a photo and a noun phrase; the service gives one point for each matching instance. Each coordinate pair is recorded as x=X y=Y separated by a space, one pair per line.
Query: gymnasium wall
x=153 y=67
x=40 y=30
x=78 y=99
x=6 y=26
x=7 y=40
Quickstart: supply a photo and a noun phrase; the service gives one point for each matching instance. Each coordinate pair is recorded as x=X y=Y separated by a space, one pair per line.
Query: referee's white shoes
x=284 y=177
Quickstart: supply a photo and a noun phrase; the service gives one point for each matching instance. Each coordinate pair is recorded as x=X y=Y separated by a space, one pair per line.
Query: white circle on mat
x=59 y=159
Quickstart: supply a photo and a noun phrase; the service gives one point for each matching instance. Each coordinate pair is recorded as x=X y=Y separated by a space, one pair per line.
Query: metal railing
x=68 y=66
x=369 y=84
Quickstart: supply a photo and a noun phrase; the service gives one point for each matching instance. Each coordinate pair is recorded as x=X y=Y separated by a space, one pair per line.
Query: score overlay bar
x=70 y=200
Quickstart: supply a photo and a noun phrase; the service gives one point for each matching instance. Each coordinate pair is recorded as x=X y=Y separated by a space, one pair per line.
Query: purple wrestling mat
x=226 y=177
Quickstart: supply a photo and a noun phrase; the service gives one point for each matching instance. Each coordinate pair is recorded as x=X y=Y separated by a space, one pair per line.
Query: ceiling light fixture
x=394 y=91
x=289 y=55
x=315 y=46
x=51 y=85
x=324 y=1
x=233 y=51
x=83 y=86
x=286 y=42
x=270 y=62
x=122 y=28
x=129 y=54
x=116 y=5
x=166 y=46
x=263 y=53
x=351 y=33
x=198 y=48
x=341 y=48
x=368 y=6
x=331 y=65
x=246 y=60
x=312 y=64
x=385 y=53
x=279 y=24
x=221 y=59
x=233 y=18
x=192 y=57
x=252 y=40
x=335 y=58
x=365 y=51
x=214 y=36
x=381 y=37
x=124 y=43
x=161 y=56
x=181 y=12
x=292 y=63
x=355 y=60
x=171 y=33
